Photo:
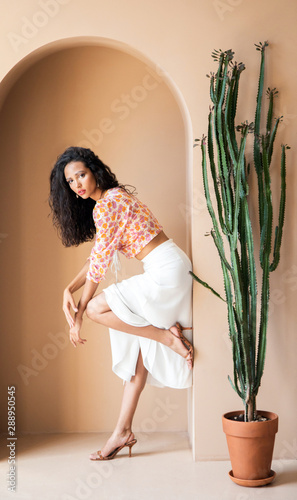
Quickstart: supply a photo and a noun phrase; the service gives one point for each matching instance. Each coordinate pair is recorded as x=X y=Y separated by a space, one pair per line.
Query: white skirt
x=160 y=296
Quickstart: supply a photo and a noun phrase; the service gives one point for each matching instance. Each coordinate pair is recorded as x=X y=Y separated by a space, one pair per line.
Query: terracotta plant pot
x=250 y=447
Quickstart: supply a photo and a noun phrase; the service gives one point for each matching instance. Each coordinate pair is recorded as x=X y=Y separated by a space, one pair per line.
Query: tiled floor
x=56 y=467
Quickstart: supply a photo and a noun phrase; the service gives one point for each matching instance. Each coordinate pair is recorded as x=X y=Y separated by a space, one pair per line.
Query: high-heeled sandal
x=128 y=443
x=185 y=341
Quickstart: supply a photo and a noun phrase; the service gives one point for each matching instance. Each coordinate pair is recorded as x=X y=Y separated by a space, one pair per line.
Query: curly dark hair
x=72 y=216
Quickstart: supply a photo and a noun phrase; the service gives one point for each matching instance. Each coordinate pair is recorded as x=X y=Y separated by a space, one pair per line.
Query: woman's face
x=81 y=180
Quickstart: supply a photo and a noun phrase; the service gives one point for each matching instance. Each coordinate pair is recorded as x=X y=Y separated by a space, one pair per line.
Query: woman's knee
x=96 y=306
x=140 y=376
x=90 y=309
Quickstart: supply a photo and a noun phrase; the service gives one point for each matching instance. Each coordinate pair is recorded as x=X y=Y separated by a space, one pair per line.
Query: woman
x=141 y=312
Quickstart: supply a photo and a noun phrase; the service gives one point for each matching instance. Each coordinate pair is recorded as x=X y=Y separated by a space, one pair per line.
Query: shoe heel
x=130 y=447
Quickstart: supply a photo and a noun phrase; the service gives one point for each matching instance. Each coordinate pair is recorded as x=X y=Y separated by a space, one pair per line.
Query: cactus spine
x=231 y=221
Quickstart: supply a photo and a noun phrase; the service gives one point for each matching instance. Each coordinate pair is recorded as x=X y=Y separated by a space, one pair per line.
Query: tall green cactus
x=231 y=221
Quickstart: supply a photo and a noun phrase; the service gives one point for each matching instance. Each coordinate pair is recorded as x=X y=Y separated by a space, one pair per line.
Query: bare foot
x=177 y=345
x=115 y=441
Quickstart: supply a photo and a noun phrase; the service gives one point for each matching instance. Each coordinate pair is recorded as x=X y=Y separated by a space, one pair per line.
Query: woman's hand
x=68 y=303
x=75 y=332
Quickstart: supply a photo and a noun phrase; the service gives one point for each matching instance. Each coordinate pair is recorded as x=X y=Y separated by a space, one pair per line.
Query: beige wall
x=178 y=37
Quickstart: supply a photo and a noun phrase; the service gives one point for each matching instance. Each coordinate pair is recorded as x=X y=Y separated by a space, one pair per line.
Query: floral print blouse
x=122 y=223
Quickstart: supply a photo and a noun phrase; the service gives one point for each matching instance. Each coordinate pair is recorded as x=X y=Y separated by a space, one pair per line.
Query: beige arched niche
x=103 y=95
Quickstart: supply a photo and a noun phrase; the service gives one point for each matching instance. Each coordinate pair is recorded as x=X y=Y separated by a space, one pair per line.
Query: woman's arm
x=88 y=292
x=80 y=279
x=68 y=300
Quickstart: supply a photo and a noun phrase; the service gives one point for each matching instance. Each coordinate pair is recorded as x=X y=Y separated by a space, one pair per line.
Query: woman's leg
x=99 y=311
x=123 y=429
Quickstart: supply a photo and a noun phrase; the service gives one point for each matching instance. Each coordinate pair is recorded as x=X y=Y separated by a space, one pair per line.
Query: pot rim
x=246 y=429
